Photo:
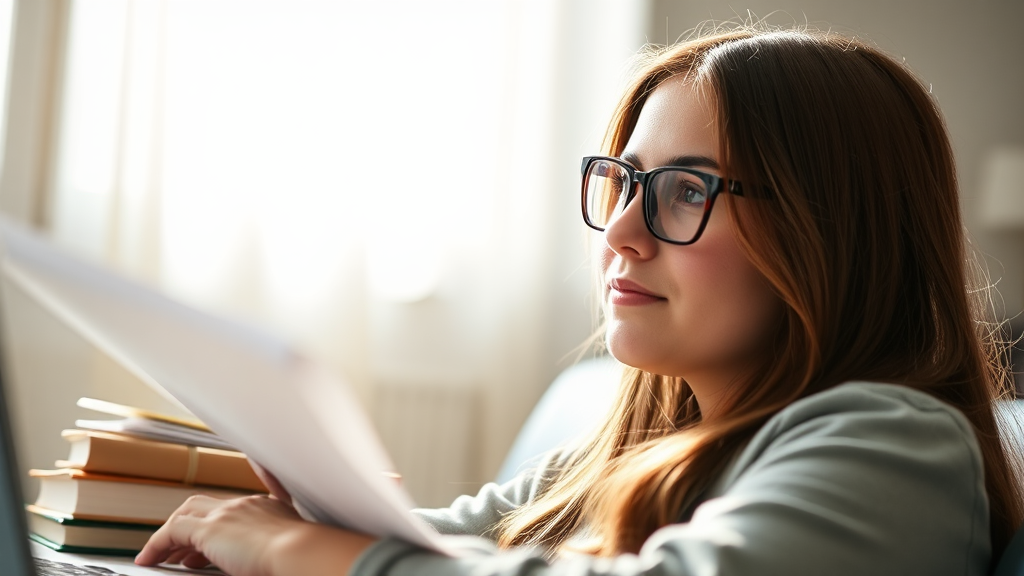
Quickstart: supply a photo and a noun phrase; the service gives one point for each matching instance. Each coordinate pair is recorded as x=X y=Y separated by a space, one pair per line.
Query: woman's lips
x=622 y=292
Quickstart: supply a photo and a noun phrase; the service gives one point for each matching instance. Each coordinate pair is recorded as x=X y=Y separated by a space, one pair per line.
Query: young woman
x=812 y=382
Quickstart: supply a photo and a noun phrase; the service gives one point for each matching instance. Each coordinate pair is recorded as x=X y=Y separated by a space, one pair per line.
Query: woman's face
x=700 y=311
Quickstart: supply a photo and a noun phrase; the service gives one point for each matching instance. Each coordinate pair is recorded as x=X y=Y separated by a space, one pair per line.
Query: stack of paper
x=147 y=424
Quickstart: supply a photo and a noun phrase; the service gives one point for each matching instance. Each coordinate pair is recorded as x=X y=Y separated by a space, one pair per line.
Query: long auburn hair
x=863 y=243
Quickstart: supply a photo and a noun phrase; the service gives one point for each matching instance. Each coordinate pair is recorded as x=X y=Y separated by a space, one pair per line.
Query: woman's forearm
x=315 y=549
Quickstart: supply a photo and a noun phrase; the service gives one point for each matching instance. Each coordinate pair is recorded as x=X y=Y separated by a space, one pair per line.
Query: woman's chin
x=628 y=353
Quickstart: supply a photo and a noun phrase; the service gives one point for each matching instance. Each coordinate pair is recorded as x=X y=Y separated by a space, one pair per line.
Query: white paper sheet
x=285 y=412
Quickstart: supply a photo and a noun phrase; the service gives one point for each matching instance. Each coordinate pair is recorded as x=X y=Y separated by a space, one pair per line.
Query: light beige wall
x=970 y=52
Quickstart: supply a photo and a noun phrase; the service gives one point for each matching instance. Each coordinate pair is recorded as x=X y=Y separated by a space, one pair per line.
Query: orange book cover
x=108 y=453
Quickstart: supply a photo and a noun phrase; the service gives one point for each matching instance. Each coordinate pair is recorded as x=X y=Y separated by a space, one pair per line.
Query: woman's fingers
x=187 y=557
x=194 y=560
x=177 y=556
x=172 y=542
x=233 y=534
x=174 y=538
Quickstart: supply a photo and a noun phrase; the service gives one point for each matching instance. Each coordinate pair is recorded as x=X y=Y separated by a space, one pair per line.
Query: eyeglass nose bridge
x=637 y=182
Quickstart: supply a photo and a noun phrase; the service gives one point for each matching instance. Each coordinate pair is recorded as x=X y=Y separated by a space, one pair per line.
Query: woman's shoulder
x=874 y=400
x=868 y=420
x=864 y=470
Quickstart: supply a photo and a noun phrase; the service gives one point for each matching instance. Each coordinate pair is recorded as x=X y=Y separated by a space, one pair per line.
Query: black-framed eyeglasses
x=676 y=201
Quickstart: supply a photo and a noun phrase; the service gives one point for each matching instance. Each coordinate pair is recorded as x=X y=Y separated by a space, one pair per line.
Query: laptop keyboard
x=51 y=568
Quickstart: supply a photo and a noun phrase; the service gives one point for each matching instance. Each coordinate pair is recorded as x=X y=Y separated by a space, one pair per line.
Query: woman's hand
x=251 y=536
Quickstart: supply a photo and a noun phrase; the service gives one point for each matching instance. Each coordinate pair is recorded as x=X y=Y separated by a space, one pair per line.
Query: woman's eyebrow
x=695 y=161
x=633 y=160
x=688 y=161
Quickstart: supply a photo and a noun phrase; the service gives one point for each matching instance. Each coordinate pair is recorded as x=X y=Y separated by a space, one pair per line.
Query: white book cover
x=155 y=430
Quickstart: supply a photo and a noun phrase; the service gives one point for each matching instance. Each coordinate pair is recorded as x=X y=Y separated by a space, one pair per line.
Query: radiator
x=431 y=433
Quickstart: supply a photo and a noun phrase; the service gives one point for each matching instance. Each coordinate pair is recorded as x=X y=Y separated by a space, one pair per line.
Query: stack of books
x=123 y=478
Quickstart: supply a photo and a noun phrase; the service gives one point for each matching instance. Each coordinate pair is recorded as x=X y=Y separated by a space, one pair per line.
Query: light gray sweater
x=863 y=479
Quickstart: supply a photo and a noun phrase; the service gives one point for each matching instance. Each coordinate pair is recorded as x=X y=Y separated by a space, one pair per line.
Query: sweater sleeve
x=478 y=515
x=862 y=479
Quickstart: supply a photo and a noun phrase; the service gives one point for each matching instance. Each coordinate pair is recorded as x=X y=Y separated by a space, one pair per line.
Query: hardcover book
x=105 y=497
x=107 y=453
x=66 y=533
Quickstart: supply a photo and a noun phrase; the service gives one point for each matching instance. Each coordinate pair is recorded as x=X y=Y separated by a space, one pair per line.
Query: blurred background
x=392 y=185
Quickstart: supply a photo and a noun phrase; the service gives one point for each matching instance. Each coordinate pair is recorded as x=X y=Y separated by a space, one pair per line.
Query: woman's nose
x=628 y=235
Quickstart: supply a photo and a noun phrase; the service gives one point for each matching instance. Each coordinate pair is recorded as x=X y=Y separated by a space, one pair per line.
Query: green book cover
x=68 y=520
x=65 y=533
x=82 y=549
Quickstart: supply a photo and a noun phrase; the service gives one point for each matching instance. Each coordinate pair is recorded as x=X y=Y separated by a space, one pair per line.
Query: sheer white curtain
x=6 y=16
x=391 y=184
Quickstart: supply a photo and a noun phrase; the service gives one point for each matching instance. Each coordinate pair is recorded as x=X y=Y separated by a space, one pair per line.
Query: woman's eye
x=688 y=197
x=693 y=196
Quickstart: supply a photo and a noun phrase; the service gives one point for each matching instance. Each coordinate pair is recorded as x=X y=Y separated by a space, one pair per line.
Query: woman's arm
x=478 y=515
x=265 y=536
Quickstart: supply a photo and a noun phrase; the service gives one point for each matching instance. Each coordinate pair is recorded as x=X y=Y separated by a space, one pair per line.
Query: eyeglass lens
x=674 y=205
